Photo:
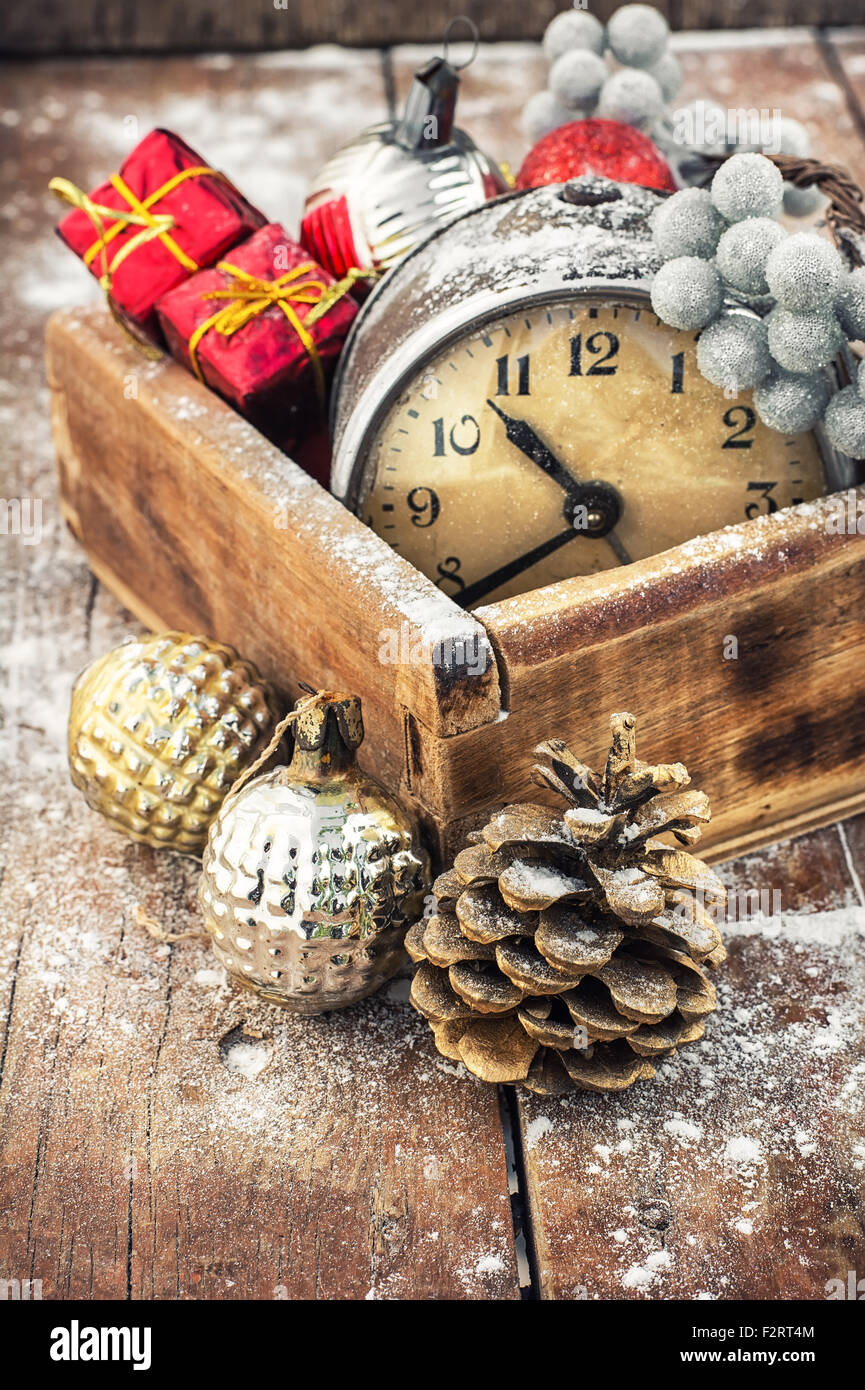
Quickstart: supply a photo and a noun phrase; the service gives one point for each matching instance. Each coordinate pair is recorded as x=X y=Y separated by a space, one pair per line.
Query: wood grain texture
x=737 y=1173
x=199 y=523
x=342 y=1161
x=160 y=26
x=133 y=1161
x=195 y=1181
x=775 y=735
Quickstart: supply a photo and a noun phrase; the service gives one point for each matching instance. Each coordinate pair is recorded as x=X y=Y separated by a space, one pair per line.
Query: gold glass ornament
x=160 y=728
x=312 y=872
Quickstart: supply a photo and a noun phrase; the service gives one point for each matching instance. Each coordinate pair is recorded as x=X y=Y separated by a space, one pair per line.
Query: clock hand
x=493 y=581
x=521 y=434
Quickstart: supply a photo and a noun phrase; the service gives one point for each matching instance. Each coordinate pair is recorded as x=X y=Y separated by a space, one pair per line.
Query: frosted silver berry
x=804 y=272
x=860 y=378
x=845 y=422
x=632 y=97
x=572 y=29
x=576 y=79
x=667 y=72
x=803 y=342
x=802 y=202
x=850 y=304
x=687 y=292
x=733 y=352
x=637 y=35
x=541 y=114
x=747 y=185
x=743 y=251
x=688 y=224
x=790 y=403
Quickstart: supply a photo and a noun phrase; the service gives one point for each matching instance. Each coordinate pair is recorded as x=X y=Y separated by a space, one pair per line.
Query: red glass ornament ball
x=608 y=148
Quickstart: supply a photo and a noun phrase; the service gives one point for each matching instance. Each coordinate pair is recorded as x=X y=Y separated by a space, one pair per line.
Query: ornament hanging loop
x=447 y=40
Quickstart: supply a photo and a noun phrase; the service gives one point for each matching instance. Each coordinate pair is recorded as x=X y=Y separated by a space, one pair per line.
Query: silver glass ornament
x=397 y=183
x=312 y=872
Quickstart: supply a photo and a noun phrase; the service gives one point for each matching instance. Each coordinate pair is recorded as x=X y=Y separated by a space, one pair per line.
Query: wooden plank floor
x=162 y=1137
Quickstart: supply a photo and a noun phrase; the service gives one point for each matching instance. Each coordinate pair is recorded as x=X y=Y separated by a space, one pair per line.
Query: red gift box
x=169 y=187
x=253 y=329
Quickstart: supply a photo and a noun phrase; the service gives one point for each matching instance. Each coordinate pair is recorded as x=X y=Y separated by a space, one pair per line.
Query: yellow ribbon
x=251 y=296
x=153 y=225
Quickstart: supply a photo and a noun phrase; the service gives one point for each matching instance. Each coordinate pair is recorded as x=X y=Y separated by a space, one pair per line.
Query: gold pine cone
x=159 y=729
x=570 y=947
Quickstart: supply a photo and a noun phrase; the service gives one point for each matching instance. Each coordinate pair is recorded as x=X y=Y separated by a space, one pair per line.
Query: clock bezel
x=351 y=463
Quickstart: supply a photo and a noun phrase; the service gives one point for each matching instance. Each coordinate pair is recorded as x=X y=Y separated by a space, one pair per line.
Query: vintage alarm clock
x=510 y=411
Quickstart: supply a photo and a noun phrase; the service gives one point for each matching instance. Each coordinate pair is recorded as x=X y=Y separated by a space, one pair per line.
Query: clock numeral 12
x=595 y=344
x=503 y=376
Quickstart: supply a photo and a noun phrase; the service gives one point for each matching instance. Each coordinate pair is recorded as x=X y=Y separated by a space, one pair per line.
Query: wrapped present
x=265 y=328
x=165 y=216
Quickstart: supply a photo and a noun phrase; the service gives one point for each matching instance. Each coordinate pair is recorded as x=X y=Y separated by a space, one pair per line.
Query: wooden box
x=194 y=521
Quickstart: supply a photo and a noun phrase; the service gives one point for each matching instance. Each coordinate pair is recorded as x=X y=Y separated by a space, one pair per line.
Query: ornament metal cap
x=397 y=183
x=334 y=713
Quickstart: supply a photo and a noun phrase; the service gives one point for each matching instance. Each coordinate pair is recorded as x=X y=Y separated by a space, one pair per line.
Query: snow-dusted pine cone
x=570 y=947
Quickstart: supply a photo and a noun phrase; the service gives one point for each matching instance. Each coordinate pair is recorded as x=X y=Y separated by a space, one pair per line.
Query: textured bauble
x=802 y=202
x=804 y=272
x=845 y=422
x=632 y=97
x=733 y=352
x=571 y=947
x=791 y=403
x=688 y=224
x=576 y=79
x=614 y=151
x=160 y=728
x=668 y=75
x=803 y=342
x=744 y=250
x=747 y=185
x=637 y=35
x=541 y=114
x=687 y=292
x=860 y=379
x=850 y=304
x=312 y=872
x=572 y=29
x=396 y=184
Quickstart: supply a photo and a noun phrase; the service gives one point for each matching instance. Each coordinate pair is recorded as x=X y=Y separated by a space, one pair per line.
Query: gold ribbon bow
x=139 y=214
x=251 y=296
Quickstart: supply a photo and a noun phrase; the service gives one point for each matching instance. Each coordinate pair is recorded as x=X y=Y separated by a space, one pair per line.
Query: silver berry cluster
x=580 y=82
x=774 y=309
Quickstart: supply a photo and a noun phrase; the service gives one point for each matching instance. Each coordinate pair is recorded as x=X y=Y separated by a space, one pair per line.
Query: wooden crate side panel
x=196 y=521
x=775 y=734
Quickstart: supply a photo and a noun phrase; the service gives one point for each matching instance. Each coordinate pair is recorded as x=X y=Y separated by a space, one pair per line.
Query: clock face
x=565 y=439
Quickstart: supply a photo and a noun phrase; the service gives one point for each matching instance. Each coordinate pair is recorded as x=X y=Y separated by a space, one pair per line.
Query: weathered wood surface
x=58 y=26
x=739 y=1172
x=133 y=1160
